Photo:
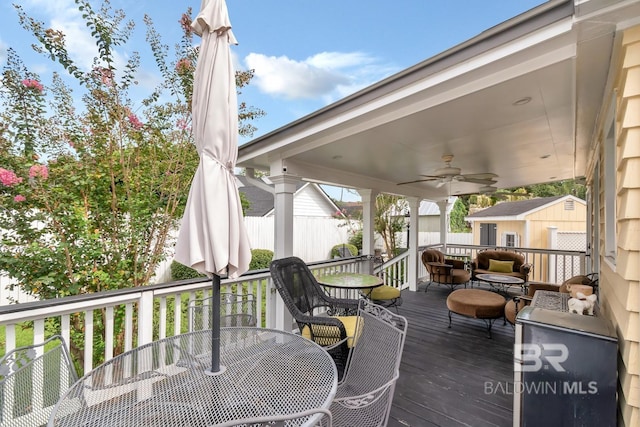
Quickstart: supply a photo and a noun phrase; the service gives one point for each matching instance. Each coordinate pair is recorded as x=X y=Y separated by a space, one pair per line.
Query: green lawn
x=23 y=337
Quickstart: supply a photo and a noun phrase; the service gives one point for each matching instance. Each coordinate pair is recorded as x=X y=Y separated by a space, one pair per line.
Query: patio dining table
x=345 y=282
x=265 y=373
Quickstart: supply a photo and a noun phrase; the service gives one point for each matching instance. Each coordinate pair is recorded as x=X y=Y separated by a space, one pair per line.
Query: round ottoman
x=477 y=303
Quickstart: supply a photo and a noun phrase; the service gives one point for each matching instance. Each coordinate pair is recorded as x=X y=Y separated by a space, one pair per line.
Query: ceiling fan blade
x=424 y=179
x=485 y=176
x=414 y=181
x=482 y=181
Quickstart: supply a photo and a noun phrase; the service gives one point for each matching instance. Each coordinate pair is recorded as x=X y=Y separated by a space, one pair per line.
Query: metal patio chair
x=32 y=380
x=235 y=310
x=442 y=271
x=365 y=394
x=320 y=317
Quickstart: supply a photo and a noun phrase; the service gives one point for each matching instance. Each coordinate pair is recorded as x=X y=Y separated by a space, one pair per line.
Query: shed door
x=488 y=234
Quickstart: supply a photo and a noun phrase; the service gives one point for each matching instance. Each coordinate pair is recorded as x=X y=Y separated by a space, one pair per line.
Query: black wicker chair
x=315 y=312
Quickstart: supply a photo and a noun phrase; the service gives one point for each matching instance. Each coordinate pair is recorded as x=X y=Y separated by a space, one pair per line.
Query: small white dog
x=582 y=304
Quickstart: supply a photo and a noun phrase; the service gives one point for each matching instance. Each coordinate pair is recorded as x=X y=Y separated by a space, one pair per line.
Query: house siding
x=309 y=202
x=532 y=230
x=620 y=282
x=555 y=216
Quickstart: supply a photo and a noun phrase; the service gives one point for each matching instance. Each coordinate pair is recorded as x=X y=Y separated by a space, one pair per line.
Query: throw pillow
x=500 y=266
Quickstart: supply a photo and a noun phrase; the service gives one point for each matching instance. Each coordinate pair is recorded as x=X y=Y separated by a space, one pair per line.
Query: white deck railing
x=157 y=311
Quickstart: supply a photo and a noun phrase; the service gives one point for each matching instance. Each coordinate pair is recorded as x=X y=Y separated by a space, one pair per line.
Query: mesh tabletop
x=268 y=373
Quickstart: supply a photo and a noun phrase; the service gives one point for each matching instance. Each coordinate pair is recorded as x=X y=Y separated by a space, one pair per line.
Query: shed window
x=509 y=239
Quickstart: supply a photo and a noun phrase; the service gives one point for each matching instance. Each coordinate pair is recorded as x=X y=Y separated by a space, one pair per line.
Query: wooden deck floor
x=452 y=377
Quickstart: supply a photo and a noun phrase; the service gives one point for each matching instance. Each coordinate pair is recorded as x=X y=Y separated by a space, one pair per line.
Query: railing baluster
x=163 y=318
x=128 y=329
x=108 y=333
x=88 y=340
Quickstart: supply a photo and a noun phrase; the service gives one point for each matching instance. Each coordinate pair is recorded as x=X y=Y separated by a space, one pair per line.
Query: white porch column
x=444 y=219
x=412 y=273
x=368 y=214
x=285 y=187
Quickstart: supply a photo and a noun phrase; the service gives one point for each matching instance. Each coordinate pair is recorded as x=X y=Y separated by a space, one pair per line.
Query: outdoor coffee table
x=347 y=282
x=501 y=282
x=267 y=373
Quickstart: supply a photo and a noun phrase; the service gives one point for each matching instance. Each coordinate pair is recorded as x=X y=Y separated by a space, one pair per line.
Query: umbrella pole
x=216 y=369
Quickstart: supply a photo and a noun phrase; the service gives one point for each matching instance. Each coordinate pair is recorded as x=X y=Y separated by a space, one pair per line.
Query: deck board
x=444 y=371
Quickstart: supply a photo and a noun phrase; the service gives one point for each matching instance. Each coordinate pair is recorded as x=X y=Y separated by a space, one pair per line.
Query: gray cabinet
x=565 y=368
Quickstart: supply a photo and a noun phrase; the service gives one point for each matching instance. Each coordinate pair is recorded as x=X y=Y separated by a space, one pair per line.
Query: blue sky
x=306 y=54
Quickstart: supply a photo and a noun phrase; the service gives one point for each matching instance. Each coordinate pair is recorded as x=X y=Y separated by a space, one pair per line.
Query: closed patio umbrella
x=212 y=237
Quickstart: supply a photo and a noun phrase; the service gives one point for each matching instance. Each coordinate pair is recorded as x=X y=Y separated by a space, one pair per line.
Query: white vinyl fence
x=313 y=239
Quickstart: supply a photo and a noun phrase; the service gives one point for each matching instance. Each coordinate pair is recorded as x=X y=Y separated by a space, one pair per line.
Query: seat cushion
x=384 y=292
x=476 y=303
x=350 y=323
x=575 y=280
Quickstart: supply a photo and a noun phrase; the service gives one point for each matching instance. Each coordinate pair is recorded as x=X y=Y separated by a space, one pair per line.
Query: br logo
x=535 y=357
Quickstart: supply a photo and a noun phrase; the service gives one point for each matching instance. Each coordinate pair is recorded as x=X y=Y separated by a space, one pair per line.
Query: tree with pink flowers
x=90 y=191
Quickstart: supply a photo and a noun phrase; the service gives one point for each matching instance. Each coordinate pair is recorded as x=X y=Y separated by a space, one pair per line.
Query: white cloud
x=327 y=75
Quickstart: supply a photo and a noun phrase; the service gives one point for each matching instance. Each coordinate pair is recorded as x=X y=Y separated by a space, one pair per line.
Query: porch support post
x=285 y=187
x=368 y=215
x=444 y=206
x=414 y=232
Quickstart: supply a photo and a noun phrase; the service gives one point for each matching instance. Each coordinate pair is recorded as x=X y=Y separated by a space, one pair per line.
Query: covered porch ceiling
x=470 y=102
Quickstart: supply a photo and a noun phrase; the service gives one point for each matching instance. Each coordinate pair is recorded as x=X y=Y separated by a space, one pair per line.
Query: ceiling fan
x=449 y=173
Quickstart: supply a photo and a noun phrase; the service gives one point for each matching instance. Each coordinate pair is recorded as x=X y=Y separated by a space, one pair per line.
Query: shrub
x=181 y=272
x=335 y=251
x=260 y=259
x=356 y=239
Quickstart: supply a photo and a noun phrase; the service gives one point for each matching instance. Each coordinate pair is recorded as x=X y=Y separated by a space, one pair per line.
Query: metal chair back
x=312 y=308
x=365 y=394
x=235 y=310
x=32 y=380
x=301 y=292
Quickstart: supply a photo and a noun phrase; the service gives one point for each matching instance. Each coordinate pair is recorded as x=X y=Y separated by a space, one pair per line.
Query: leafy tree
x=458 y=212
x=559 y=188
x=386 y=223
x=88 y=197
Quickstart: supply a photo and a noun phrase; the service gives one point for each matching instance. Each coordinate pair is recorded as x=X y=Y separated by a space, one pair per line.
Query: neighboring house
x=528 y=223
x=309 y=200
x=429 y=215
